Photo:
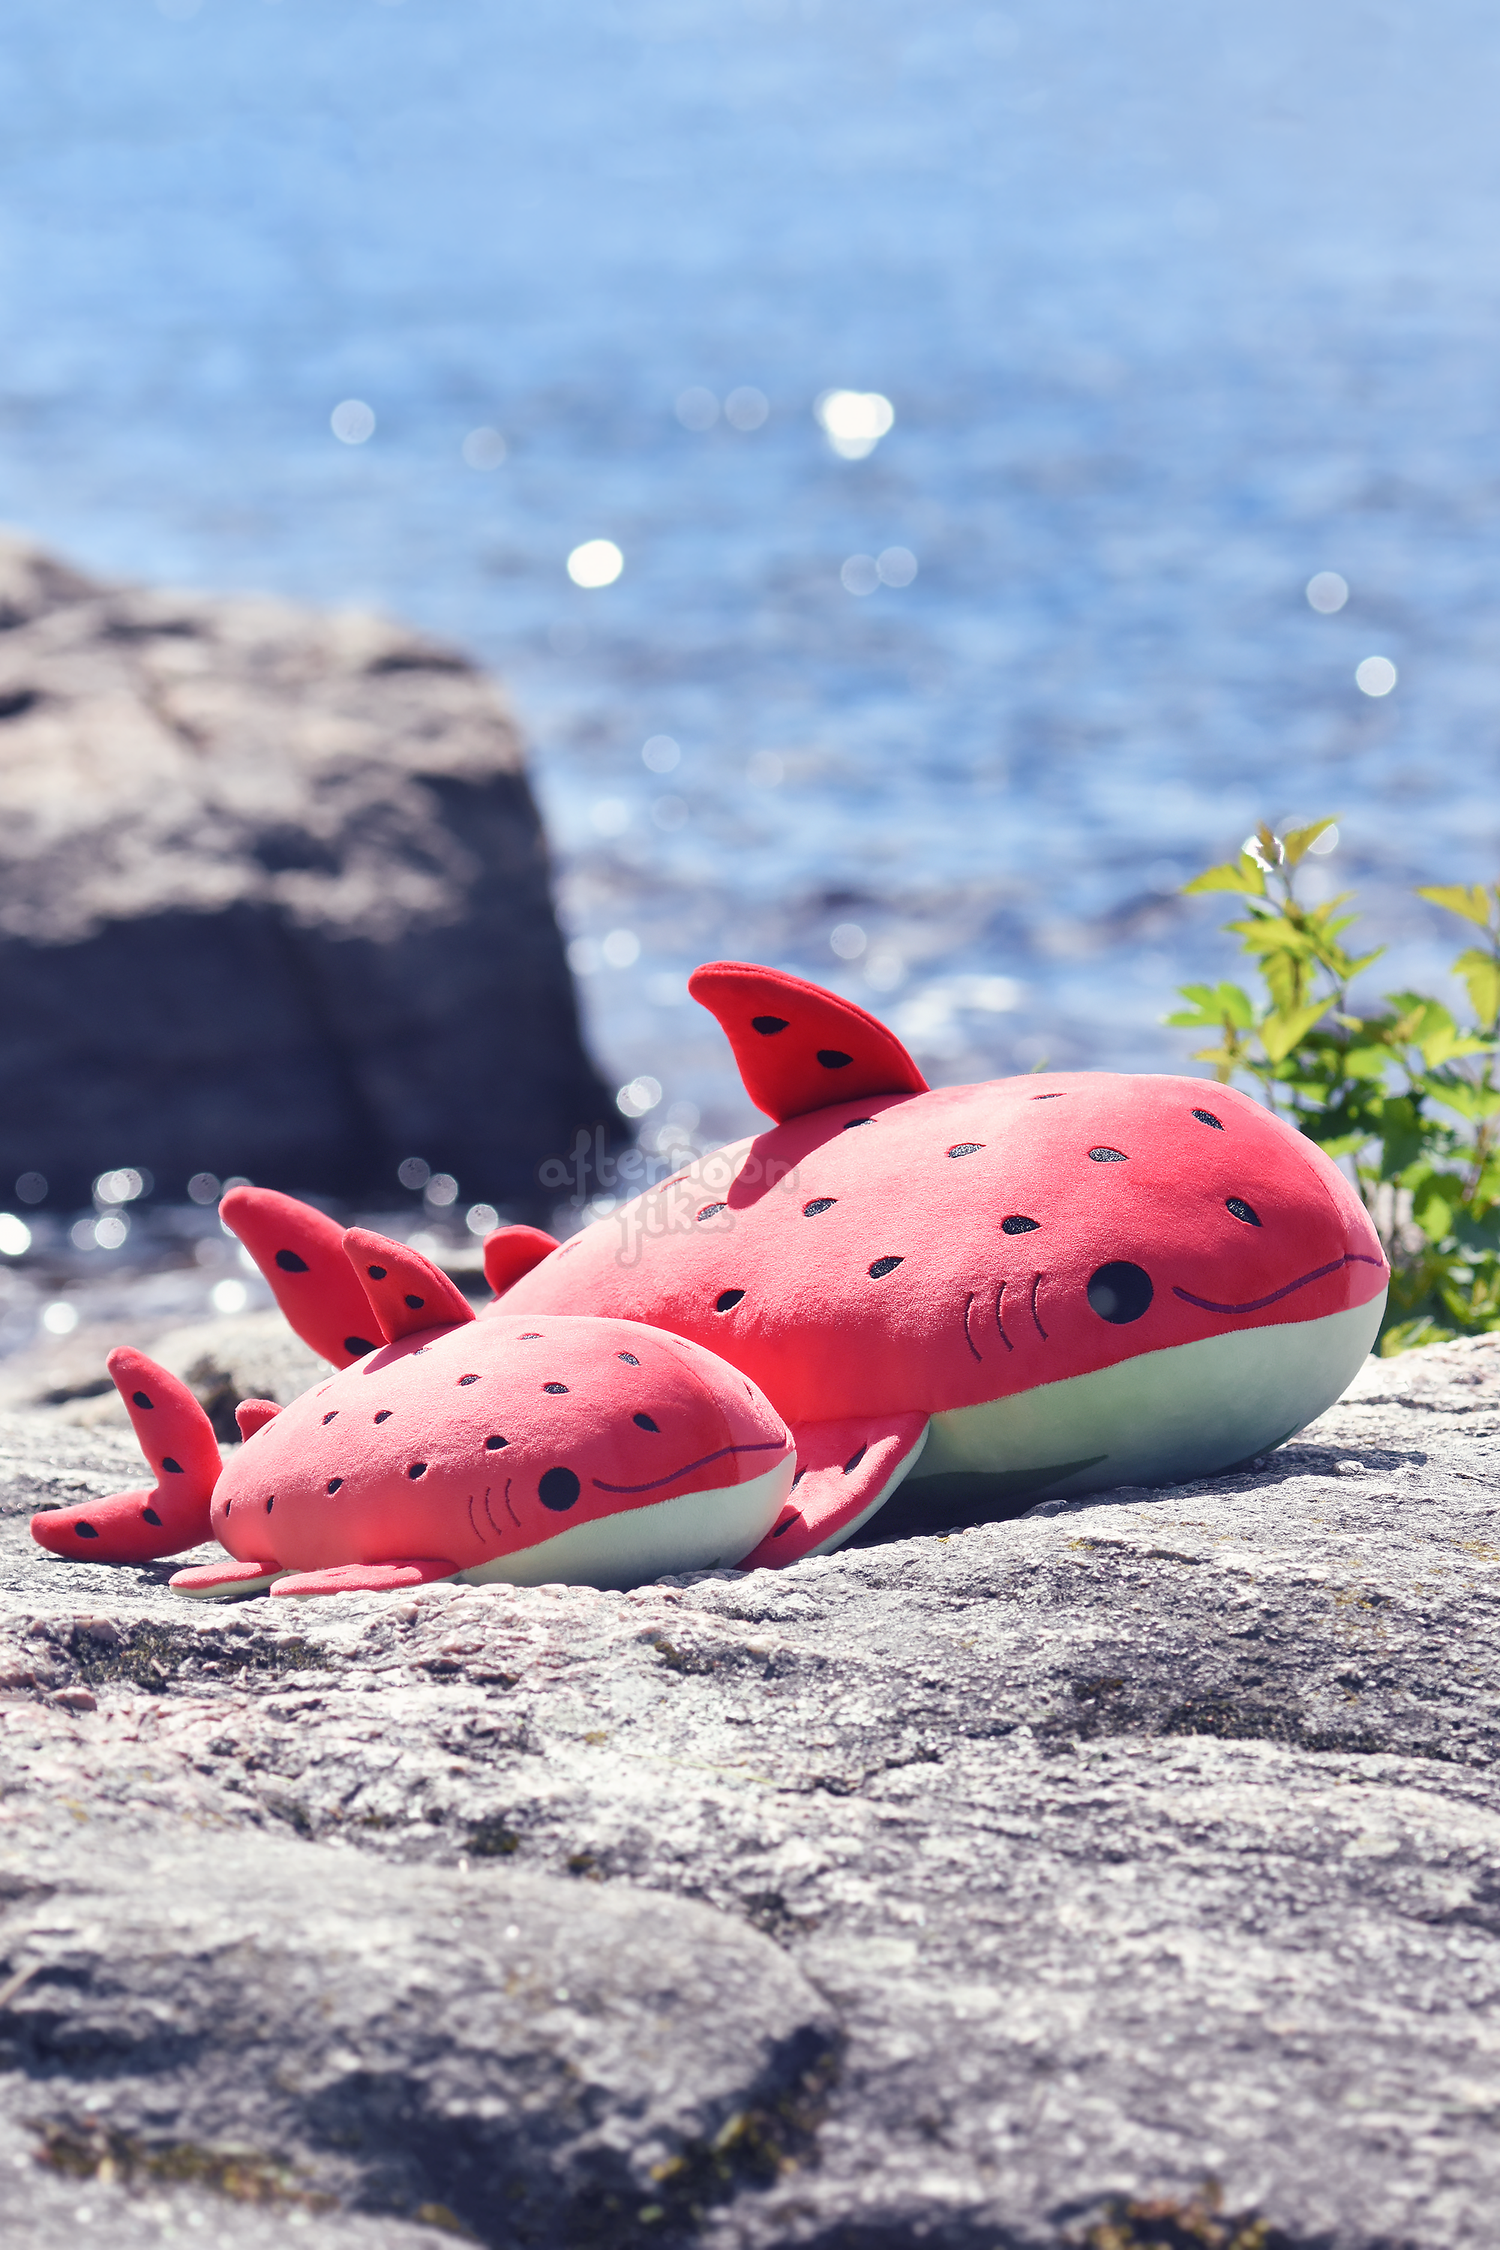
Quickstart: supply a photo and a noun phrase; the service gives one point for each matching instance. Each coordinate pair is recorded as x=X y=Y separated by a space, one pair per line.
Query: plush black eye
x=1120 y=1292
x=1238 y=1208
x=727 y=1299
x=1207 y=1117
x=1015 y=1224
x=558 y=1489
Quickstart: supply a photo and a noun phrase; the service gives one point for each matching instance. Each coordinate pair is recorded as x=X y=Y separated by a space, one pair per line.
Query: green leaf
x=1240 y=874
x=1470 y=900
x=1288 y=1027
x=1296 y=841
x=1481 y=975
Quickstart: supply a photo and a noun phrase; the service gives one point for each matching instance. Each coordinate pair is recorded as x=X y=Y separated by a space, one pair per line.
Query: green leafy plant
x=1407 y=1099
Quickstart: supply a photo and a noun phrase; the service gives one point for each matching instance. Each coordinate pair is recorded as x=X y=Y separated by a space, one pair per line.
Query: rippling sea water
x=1175 y=304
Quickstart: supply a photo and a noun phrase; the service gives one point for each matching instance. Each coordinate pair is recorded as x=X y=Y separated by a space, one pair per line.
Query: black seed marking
x=270 y=1504
x=710 y=1208
x=966 y=1148
x=818 y=1203
x=376 y=1273
x=1238 y=1208
x=465 y=1380
x=558 y=1390
x=854 y=1460
x=334 y=1483
x=768 y=1026
x=139 y=1398
x=289 y=1262
x=417 y=1469
x=1207 y=1117
x=384 y=1415
x=357 y=1346
x=173 y=1468
x=493 y=1444
x=850 y=1123
x=416 y=1303
x=1036 y=1283
x=831 y=1059
x=629 y=1358
x=882 y=1267
x=1107 y=1156
x=149 y=1515
x=1000 y=1318
x=727 y=1299
x=331 y=1416
x=85 y=1531
x=1047 y=1097
x=1015 y=1224
x=529 y=1336
x=644 y=1422
x=797 y=1479
x=1120 y=1292
x=558 y=1489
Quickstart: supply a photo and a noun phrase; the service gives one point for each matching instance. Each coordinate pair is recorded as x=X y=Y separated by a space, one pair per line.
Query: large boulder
x=273 y=901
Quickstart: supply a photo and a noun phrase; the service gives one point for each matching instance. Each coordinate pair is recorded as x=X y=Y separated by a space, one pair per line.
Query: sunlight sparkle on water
x=1327 y=592
x=1327 y=842
x=640 y=1095
x=670 y=813
x=598 y=562
x=746 y=408
x=848 y=941
x=697 y=409
x=352 y=421
x=660 y=753
x=765 y=769
x=860 y=574
x=854 y=422
x=610 y=816
x=484 y=449
x=897 y=566
x=621 y=949
x=15 y=1236
x=1376 y=676
x=229 y=1296
x=59 y=1318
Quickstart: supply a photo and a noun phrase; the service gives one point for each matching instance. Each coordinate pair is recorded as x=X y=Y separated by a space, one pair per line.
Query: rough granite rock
x=957 y=1890
x=273 y=900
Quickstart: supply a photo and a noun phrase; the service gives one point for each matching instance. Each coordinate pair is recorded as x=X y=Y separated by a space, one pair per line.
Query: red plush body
x=1040 y=1285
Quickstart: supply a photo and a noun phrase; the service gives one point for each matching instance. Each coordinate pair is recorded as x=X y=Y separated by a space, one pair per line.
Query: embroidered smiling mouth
x=762 y=1445
x=1259 y=1304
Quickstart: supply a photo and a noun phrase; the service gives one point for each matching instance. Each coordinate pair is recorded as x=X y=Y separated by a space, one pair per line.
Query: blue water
x=1176 y=304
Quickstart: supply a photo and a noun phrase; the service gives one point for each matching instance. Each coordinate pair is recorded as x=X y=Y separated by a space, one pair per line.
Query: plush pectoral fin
x=365 y=1578
x=846 y=1470
x=226 y=1581
x=301 y=1253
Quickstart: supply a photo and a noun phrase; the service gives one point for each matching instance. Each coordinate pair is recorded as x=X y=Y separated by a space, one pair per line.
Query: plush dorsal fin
x=300 y=1251
x=798 y=1047
x=405 y=1291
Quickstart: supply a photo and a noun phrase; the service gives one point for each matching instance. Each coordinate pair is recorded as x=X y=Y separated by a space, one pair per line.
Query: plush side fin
x=365 y=1578
x=798 y=1047
x=846 y=1470
x=226 y=1581
x=405 y=1292
x=253 y=1414
x=511 y=1252
x=178 y=1441
x=301 y=1253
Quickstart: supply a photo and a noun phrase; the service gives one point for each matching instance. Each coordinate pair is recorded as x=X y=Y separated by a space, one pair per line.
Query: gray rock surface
x=966 y=1890
x=273 y=900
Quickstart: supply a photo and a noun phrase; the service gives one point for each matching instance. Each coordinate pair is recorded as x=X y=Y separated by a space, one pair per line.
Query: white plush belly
x=1163 y=1417
x=696 y=1531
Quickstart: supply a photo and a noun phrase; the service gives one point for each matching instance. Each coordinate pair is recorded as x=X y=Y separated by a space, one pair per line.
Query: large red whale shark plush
x=967 y=1298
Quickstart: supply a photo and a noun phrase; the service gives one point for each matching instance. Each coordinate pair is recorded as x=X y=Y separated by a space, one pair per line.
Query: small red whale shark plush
x=978 y=1294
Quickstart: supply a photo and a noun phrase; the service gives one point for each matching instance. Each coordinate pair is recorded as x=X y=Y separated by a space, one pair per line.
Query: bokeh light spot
x=484 y=449
x=352 y=422
x=1376 y=676
x=598 y=562
x=854 y=422
x=1327 y=592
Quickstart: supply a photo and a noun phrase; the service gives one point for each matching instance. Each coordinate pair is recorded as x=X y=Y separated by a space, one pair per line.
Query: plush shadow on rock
x=544 y=2060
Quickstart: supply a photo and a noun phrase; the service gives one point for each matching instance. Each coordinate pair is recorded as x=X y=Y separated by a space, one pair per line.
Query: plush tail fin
x=301 y=1253
x=178 y=1442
